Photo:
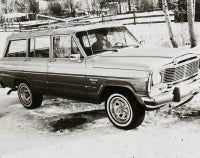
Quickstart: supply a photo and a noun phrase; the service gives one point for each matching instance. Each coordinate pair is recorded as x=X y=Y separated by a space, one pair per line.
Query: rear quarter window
x=16 y=48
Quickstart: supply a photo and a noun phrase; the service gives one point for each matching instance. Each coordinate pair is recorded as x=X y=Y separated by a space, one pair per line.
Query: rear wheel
x=123 y=111
x=27 y=97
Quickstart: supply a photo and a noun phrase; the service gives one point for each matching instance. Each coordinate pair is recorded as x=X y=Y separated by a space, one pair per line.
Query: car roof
x=58 y=31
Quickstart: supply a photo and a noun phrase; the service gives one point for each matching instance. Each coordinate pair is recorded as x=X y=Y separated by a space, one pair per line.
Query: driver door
x=66 y=72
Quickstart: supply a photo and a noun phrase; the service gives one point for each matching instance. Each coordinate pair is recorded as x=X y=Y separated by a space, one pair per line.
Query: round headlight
x=156 y=78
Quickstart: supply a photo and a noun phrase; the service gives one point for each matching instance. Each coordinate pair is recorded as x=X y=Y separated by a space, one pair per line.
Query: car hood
x=138 y=58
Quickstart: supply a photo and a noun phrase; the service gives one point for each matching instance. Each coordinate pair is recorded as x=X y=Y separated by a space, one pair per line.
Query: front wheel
x=28 y=98
x=123 y=111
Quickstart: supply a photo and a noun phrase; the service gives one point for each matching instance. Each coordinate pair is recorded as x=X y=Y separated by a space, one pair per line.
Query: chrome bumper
x=179 y=94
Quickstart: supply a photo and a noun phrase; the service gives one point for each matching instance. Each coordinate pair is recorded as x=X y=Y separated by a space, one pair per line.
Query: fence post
x=20 y=27
x=5 y=27
x=134 y=17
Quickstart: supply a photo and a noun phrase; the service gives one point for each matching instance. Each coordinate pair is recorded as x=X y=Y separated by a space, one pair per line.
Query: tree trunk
x=190 y=18
x=120 y=7
x=166 y=13
x=129 y=5
x=194 y=8
x=71 y=7
x=1 y=13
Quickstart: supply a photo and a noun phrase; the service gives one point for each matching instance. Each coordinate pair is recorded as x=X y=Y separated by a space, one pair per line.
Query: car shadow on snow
x=75 y=121
x=63 y=115
x=60 y=115
x=90 y=119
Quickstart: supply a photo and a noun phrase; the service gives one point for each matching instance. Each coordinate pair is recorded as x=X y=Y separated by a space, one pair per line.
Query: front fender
x=112 y=85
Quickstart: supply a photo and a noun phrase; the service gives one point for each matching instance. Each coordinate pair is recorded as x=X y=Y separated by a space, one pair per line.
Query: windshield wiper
x=105 y=50
x=135 y=46
x=124 y=46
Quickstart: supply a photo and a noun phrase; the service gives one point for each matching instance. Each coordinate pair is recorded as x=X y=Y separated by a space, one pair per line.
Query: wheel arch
x=110 y=89
x=17 y=81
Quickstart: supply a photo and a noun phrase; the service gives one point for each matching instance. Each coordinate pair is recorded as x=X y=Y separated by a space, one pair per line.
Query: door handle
x=93 y=79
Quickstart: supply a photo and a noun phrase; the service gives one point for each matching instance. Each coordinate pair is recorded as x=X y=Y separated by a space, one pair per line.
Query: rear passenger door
x=66 y=75
x=35 y=65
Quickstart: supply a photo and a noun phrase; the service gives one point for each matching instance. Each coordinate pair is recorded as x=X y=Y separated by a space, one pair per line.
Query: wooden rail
x=126 y=19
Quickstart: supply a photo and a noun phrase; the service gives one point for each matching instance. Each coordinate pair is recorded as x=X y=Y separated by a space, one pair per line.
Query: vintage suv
x=98 y=64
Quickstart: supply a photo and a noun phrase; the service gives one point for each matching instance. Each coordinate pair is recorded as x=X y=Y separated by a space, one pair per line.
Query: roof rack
x=54 y=25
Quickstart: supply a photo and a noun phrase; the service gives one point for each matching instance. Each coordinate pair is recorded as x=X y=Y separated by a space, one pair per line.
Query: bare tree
x=120 y=7
x=33 y=6
x=55 y=8
x=129 y=5
x=20 y=6
x=104 y=3
x=1 y=12
x=190 y=18
x=166 y=13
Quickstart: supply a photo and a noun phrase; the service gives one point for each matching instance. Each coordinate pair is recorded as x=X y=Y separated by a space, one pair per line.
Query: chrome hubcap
x=120 y=109
x=25 y=95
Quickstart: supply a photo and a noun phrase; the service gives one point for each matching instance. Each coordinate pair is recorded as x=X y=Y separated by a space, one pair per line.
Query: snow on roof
x=15 y=15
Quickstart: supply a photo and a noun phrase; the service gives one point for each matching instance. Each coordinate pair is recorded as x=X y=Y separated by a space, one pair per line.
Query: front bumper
x=177 y=95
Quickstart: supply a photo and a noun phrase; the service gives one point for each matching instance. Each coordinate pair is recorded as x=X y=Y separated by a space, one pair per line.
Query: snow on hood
x=138 y=58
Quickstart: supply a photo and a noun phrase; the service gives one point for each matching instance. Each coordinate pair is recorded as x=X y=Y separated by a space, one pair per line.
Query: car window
x=75 y=49
x=101 y=40
x=39 y=47
x=16 y=48
x=84 y=41
x=115 y=37
x=61 y=46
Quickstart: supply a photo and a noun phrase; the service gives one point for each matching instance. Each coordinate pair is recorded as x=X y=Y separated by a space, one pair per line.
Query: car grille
x=178 y=73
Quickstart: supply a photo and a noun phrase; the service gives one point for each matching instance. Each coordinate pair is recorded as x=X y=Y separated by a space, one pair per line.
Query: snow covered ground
x=48 y=131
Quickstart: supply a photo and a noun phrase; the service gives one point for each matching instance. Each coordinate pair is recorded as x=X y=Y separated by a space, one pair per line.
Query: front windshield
x=106 y=39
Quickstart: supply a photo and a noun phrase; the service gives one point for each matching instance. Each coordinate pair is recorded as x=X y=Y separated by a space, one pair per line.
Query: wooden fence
x=10 y=27
x=132 y=18
x=125 y=19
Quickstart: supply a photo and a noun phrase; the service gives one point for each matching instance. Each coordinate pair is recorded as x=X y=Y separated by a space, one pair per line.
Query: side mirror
x=75 y=57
